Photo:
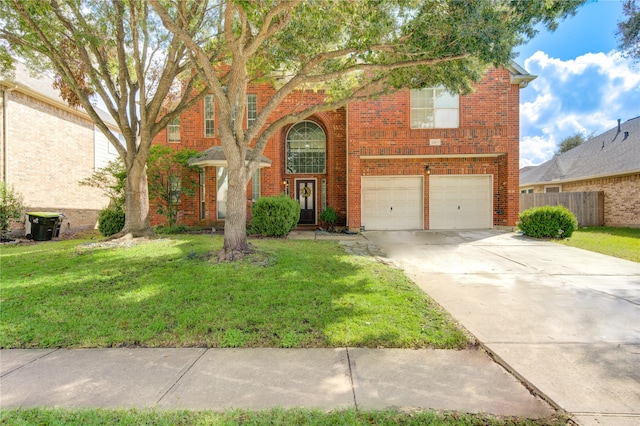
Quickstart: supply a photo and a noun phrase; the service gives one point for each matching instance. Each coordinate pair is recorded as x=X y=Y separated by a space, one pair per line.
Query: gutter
x=578 y=179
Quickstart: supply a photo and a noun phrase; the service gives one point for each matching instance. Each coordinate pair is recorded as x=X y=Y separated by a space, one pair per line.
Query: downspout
x=347 y=154
x=5 y=133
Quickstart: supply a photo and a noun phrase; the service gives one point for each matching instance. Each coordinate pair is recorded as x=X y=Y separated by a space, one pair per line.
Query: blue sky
x=584 y=84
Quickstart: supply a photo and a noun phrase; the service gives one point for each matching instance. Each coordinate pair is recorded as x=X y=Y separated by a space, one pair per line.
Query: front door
x=306 y=194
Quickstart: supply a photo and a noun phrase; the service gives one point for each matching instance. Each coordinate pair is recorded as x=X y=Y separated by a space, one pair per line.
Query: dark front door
x=306 y=194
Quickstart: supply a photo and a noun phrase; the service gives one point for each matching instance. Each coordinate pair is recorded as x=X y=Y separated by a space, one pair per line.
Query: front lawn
x=619 y=242
x=169 y=293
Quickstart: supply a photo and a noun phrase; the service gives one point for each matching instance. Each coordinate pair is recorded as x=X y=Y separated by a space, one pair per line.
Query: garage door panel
x=392 y=203
x=460 y=202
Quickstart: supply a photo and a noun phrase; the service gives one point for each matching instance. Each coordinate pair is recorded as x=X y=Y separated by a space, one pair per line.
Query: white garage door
x=392 y=202
x=460 y=202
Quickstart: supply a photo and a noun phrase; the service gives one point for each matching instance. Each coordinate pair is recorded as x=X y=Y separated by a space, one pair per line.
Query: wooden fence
x=588 y=207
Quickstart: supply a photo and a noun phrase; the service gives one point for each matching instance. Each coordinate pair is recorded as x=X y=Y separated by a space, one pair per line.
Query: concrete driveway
x=567 y=321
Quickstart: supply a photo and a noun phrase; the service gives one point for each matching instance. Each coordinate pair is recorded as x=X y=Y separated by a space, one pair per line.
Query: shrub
x=11 y=208
x=175 y=229
x=274 y=216
x=548 y=222
x=329 y=216
x=110 y=221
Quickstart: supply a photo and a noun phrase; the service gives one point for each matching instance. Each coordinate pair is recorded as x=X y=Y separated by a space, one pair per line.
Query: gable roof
x=614 y=152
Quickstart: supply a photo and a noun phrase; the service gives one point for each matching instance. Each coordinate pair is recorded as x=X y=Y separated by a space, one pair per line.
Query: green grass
x=273 y=417
x=619 y=242
x=170 y=293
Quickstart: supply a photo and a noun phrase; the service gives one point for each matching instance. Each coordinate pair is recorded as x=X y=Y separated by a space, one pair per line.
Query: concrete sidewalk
x=219 y=379
x=565 y=320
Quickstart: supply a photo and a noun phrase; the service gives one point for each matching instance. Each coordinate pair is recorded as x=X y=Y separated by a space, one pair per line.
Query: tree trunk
x=235 y=225
x=137 y=222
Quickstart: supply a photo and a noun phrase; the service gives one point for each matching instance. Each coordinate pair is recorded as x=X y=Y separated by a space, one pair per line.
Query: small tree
x=111 y=179
x=329 y=216
x=570 y=142
x=169 y=176
x=11 y=210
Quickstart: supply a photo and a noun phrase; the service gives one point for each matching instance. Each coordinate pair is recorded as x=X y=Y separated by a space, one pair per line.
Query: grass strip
x=274 y=417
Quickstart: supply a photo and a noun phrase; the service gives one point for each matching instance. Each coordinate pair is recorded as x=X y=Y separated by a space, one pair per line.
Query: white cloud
x=586 y=94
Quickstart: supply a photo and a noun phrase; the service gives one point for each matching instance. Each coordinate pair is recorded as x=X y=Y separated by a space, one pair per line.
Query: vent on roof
x=626 y=135
x=602 y=146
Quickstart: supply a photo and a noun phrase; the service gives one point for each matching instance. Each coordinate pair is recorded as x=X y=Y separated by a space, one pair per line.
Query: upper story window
x=434 y=108
x=306 y=148
x=208 y=116
x=173 y=130
x=252 y=109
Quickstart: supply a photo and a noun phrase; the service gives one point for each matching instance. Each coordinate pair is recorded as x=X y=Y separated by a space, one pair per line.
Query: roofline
x=13 y=85
x=519 y=75
x=559 y=181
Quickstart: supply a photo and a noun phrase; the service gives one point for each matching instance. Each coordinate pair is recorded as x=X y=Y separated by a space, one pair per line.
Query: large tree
x=629 y=29
x=119 y=51
x=351 y=49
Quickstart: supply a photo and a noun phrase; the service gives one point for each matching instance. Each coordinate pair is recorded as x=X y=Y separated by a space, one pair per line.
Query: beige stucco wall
x=48 y=152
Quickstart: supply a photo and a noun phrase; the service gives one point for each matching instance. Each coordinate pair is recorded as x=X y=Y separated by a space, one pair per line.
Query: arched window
x=306 y=148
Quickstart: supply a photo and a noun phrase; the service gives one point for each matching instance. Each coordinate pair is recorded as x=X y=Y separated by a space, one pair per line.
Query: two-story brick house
x=416 y=159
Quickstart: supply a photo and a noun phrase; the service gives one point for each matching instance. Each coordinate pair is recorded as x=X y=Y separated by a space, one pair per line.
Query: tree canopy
x=349 y=49
x=629 y=29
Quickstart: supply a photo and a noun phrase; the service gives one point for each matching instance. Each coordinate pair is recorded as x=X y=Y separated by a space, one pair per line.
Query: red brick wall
x=486 y=142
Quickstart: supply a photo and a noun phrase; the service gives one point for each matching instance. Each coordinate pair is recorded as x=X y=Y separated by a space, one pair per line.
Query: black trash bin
x=44 y=225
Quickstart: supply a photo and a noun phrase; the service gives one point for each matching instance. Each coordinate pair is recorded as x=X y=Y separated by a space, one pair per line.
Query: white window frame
x=552 y=186
x=252 y=108
x=175 y=187
x=434 y=108
x=209 y=116
x=173 y=130
x=255 y=186
x=308 y=149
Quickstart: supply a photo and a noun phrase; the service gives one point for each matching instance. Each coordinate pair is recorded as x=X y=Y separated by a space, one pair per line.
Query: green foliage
x=274 y=216
x=111 y=221
x=329 y=216
x=12 y=208
x=111 y=179
x=548 y=222
x=176 y=229
x=629 y=29
x=570 y=142
x=169 y=177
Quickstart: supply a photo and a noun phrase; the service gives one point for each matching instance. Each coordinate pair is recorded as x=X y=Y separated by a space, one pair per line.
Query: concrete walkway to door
x=565 y=320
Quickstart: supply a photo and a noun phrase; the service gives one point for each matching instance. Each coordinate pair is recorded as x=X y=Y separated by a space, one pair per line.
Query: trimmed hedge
x=548 y=222
x=274 y=216
x=110 y=221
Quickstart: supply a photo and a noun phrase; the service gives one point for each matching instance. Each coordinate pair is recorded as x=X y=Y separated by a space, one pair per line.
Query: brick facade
x=374 y=138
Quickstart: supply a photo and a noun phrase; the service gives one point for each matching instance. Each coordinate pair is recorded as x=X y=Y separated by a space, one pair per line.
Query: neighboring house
x=48 y=147
x=416 y=159
x=609 y=162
